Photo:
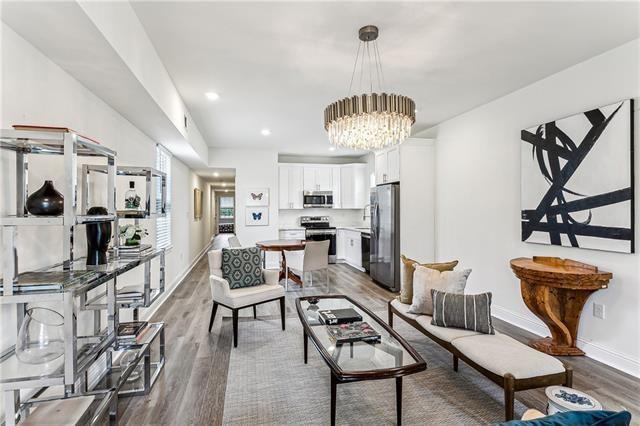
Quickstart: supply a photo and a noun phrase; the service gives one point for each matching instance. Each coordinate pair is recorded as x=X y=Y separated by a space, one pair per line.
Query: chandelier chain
x=379 y=63
x=355 y=65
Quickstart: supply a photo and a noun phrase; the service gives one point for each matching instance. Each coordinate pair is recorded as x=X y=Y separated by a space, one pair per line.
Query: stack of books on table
x=130 y=333
x=133 y=252
x=358 y=331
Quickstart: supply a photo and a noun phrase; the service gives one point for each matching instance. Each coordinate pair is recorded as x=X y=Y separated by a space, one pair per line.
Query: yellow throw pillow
x=406 y=275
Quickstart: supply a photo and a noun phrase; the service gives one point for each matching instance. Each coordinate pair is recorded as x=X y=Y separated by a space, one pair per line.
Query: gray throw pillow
x=426 y=279
x=242 y=267
x=468 y=311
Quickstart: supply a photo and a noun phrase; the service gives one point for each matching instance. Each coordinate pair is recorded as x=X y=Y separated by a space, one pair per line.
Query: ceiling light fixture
x=371 y=120
x=265 y=132
x=332 y=148
x=224 y=184
x=216 y=174
x=212 y=96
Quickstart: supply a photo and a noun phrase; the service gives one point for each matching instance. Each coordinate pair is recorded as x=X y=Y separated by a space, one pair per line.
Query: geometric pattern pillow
x=242 y=267
x=468 y=311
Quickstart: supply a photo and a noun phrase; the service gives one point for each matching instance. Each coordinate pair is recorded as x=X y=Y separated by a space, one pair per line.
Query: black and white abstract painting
x=577 y=180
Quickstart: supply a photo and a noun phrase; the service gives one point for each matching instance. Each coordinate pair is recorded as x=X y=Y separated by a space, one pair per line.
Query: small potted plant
x=132 y=234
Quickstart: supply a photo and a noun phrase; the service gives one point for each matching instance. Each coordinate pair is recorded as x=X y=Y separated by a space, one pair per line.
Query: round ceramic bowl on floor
x=561 y=399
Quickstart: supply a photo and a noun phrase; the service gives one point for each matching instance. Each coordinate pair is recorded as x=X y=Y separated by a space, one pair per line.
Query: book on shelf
x=132 y=214
x=339 y=316
x=130 y=331
x=51 y=280
x=128 y=292
x=358 y=331
x=134 y=251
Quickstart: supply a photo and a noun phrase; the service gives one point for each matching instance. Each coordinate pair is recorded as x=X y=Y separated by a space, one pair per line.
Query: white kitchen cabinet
x=290 y=187
x=387 y=164
x=341 y=244
x=354 y=188
x=353 y=248
x=318 y=178
x=336 y=175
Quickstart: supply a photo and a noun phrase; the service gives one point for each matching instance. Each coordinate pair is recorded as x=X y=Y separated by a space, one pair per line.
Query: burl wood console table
x=555 y=290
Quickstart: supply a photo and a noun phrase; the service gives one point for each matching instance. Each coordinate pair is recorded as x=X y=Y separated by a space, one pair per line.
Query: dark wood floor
x=191 y=389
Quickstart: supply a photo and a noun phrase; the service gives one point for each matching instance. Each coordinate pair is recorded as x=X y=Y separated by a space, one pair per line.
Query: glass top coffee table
x=391 y=357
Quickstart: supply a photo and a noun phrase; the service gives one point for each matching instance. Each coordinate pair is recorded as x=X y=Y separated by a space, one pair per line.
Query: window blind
x=163 y=224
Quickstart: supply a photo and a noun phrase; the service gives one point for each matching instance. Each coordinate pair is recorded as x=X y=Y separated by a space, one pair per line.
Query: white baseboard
x=176 y=283
x=599 y=353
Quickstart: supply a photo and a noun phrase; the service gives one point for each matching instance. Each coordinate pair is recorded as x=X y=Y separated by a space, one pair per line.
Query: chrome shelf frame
x=81 y=352
x=148 y=173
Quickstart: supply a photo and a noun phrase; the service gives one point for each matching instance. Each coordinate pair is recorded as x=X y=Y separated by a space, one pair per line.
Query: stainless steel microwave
x=317 y=199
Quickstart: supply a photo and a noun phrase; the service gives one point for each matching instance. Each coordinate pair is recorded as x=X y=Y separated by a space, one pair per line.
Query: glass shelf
x=50 y=142
x=89 y=408
x=15 y=374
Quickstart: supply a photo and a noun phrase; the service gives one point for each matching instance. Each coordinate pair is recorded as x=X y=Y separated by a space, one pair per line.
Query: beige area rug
x=269 y=384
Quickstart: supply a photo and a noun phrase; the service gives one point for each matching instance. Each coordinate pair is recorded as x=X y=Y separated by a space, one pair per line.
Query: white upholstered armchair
x=238 y=298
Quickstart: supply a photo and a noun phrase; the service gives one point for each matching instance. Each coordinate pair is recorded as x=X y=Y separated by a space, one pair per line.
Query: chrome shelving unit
x=80 y=352
x=70 y=371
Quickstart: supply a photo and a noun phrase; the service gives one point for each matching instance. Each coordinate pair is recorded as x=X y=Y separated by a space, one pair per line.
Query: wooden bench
x=508 y=363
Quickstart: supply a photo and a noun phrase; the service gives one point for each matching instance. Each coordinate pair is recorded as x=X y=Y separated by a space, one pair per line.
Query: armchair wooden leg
x=282 y=311
x=328 y=282
x=390 y=316
x=214 y=309
x=455 y=363
x=509 y=396
x=255 y=315
x=569 y=380
x=235 y=327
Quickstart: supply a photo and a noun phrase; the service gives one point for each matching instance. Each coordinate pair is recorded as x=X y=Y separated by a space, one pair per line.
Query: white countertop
x=361 y=229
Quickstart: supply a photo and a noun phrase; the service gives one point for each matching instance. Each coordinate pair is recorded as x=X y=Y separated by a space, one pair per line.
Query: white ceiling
x=277 y=65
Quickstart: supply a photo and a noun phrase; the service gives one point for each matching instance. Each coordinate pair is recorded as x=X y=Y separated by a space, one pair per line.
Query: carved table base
x=556 y=290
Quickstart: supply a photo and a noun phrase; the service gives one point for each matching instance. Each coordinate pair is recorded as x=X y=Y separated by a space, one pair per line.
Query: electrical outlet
x=598 y=310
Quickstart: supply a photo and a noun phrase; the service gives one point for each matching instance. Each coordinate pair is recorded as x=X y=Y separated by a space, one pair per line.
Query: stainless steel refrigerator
x=385 y=236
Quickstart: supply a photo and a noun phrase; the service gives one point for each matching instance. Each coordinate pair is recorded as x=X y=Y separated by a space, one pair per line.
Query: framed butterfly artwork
x=257 y=216
x=257 y=197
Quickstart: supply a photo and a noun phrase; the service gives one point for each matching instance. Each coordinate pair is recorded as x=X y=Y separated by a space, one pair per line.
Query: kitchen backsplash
x=339 y=217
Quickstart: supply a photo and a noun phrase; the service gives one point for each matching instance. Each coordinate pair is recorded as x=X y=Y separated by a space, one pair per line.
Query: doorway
x=223 y=200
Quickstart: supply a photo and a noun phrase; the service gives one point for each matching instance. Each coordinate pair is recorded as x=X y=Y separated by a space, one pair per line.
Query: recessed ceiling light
x=212 y=96
x=216 y=174
x=224 y=184
x=226 y=190
x=265 y=132
x=416 y=111
x=332 y=148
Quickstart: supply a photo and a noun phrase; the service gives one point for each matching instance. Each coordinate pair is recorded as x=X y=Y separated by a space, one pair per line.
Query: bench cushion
x=502 y=354
x=444 y=333
x=403 y=308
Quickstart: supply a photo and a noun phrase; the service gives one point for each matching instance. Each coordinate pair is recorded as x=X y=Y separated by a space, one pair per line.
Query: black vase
x=46 y=201
x=98 y=237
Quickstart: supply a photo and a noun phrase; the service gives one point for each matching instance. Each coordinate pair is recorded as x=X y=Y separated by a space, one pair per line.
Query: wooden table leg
x=399 y=400
x=334 y=386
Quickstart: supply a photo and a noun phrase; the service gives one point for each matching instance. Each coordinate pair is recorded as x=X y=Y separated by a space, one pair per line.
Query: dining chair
x=314 y=257
x=234 y=242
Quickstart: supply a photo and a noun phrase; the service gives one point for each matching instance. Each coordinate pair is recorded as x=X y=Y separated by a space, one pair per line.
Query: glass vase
x=40 y=338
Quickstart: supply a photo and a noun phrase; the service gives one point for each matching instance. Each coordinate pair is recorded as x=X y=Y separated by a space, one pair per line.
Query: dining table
x=282 y=246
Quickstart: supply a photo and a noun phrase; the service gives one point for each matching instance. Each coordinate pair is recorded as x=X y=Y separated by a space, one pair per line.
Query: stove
x=318 y=228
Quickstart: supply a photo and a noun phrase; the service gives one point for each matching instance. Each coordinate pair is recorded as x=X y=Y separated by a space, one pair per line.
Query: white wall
x=255 y=168
x=417 y=195
x=37 y=91
x=478 y=200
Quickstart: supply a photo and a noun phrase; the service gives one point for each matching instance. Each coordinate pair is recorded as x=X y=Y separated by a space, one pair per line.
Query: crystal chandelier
x=371 y=120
